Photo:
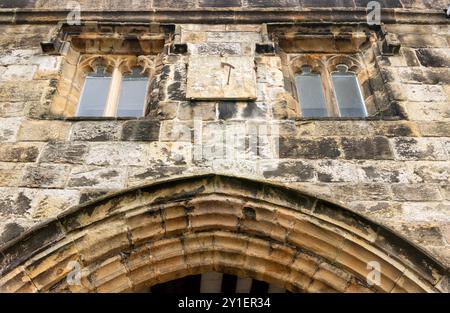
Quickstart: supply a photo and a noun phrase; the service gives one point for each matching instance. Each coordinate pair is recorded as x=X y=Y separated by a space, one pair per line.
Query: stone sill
x=100 y=118
x=343 y=119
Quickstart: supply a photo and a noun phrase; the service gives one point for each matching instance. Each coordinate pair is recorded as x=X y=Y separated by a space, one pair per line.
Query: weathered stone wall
x=191 y=4
x=395 y=172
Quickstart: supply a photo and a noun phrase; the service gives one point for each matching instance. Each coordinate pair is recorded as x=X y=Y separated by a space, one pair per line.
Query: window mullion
x=330 y=96
x=114 y=92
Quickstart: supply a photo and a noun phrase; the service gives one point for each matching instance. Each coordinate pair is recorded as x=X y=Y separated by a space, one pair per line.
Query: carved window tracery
x=328 y=86
x=112 y=86
x=107 y=69
x=361 y=91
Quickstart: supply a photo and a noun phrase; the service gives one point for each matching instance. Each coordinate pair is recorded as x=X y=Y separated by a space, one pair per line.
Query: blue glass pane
x=94 y=96
x=311 y=95
x=348 y=94
x=132 y=96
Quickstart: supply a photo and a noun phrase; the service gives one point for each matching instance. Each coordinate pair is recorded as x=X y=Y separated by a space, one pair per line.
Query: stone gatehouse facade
x=231 y=166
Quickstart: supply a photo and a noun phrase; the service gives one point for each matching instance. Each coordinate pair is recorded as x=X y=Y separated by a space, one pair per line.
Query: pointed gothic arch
x=176 y=228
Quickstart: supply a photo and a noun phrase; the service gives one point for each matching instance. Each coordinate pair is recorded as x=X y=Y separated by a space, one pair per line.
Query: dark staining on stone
x=19 y=154
x=324 y=177
x=23 y=204
x=8 y=205
x=64 y=153
x=159 y=172
x=179 y=74
x=181 y=196
x=11 y=231
x=252 y=110
x=30 y=245
x=218 y=49
x=17 y=4
x=153 y=212
x=302 y=171
x=87 y=196
x=249 y=213
x=110 y=174
x=309 y=148
x=328 y=3
x=405 y=148
x=173 y=4
x=383 y=3
x=374 y=174
x=37 y=176
x=395 y=245
x=265 y=48
x=272 y=3
x=336 y=213
x=175 y=91
x=219 y=3
x=227 y=110
x=82 y=182
x=146 y=130
x=432 y=58
x=165 y=72
x=401 y=130
x=367 y=148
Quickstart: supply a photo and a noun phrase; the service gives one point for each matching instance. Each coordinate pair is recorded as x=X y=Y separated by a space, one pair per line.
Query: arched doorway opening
x=166 y=231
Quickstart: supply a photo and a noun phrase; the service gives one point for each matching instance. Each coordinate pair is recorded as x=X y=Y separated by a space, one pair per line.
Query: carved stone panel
x=221 y=78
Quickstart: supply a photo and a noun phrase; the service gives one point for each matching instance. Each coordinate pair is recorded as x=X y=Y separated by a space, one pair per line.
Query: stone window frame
x=69 y=92
x=117 y=46
x=323 y=47
x=325 y=65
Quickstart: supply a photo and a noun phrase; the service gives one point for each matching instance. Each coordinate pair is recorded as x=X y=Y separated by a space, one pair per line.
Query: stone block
x=25 y=91
x=10 y=174
x=417 y=192
x=89 y=177
x=18 y=73
x=221 y=78
x=272 y=3
x=419 y=149
x=9 y=127
x=145 y=130
x=432 y=171
x=12 y=109
x=45 y=176
x=231 y=49
x=219 y=3
x=47 y=203
x=317 y=148
x=424 y=93
x=428 y=111
x=33 y=130
x=434 y=57
x=330 y=171
x=298 y=171
x=19 y=152
x=113 y=153
x=96 y=131
x=64 y=152
x=377 y=148
x=426 y=212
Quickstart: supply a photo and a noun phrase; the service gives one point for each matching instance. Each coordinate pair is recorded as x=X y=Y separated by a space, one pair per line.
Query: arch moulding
x=168 y=230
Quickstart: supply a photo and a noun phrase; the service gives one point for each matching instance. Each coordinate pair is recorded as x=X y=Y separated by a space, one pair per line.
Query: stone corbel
x=266 y=46
x=390 y=44
x=178 y=47
x=54 y=45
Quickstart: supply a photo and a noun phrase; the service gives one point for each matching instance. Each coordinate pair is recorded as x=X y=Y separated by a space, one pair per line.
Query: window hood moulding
x=110 y=38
